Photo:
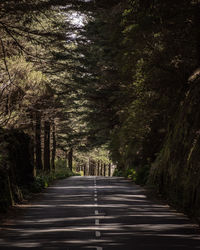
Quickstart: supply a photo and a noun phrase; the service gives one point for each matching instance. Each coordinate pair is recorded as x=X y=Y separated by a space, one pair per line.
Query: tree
x=38 y=152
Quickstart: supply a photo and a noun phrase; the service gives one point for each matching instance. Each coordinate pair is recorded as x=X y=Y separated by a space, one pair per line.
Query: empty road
x=98 y=213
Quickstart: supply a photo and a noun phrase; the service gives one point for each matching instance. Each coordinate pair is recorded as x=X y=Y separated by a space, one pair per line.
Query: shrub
x=43 y=180
x=139 y=175
x=142 y=174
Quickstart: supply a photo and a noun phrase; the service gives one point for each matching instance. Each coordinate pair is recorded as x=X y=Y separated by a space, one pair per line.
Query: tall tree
x=46 y=152
x=38 y=146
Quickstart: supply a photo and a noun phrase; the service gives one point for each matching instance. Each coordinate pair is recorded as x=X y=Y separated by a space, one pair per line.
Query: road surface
x=98 y=213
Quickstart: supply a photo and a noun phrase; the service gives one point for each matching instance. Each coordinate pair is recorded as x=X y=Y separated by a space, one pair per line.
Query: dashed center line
x=98 y=234
x=97 y=222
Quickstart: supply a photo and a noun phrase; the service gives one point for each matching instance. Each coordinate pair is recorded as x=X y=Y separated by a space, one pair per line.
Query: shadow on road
x=63 y=218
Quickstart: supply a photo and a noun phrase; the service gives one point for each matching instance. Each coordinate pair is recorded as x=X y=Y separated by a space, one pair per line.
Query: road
x=98 y=213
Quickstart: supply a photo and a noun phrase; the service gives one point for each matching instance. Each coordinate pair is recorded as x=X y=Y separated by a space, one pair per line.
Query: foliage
x=175 y=173
x=60 y=163
x=118 y=173
x=139 y=175
x=16 y=166
x=43 y=180
x=137 y=63
x=35 y=52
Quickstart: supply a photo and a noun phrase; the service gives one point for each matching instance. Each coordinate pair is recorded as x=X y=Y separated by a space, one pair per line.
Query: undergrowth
x=43 y=180
x=138 y=175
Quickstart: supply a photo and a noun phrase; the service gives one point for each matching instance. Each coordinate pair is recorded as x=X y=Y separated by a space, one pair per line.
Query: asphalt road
x=98 y=213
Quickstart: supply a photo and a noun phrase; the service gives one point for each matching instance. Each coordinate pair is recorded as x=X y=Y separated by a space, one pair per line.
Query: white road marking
x=98 y=234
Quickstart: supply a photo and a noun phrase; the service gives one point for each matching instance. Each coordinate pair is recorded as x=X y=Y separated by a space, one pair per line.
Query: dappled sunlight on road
x=64 y=216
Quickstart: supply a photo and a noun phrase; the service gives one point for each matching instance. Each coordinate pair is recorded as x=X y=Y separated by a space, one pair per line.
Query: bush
x=139 y=175
x=81 y=173
x=142 y=174
x=61 y=163
x=118 y=173
x=44 y=180
x=131 y=174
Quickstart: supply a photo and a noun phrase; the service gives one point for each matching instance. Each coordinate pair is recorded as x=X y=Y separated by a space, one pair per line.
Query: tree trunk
x=89 y=167
x=98 y=168
x=84 y=169
x=109 y=169
x=47 y=167
x=32 y=142
x=197 y=24
x=70 y=158
x=94 y=168
x=38 y=150
x=101 y=168
x=66 y=159
x=53 y=152
x=104 y=172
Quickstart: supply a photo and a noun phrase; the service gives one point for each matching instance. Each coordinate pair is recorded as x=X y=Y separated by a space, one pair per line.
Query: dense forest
x=89 y=85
